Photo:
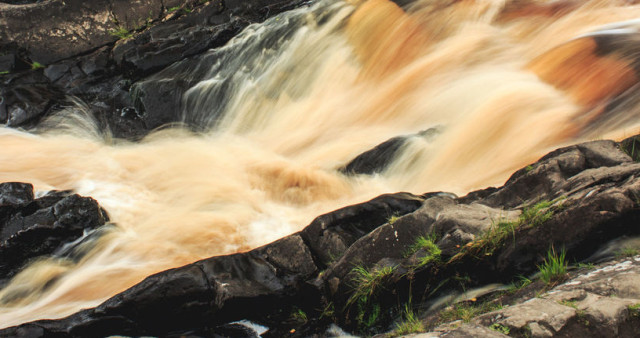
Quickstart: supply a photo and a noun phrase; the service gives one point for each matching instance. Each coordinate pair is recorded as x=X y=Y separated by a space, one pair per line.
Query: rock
x=378 y=159
x=30 y=227
x=7 y=62
x=201 y=295
x=541 y=180
x=73 y=40
x=51 y=31
x=590 y=304
x=15 y=194
x=329 y=235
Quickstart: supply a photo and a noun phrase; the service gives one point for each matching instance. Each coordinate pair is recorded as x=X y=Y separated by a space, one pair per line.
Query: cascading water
x=288 y=102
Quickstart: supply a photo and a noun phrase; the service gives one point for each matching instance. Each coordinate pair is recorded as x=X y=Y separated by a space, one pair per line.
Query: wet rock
x=30 y=227
x=542 y=180
x=204 y=294
x=381 y=156
x=329 y=235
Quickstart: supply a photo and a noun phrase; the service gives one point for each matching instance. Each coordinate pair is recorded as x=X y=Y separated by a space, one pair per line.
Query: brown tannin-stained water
x=503 y=81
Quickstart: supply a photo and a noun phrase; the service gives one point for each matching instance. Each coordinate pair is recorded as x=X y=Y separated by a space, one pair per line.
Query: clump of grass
x=328 y=311
x=430 y=248
x=500 y=328
x=4 y=72
x=634 y=310
x=497 y=234
x=173 y=9
x=554 y=268
x=36 y=65
x=299 y=316
x=521 y=283
x=570 y=303
x=121 y=33
x=393 y=218
x=491 y=240
x=629 y=147
x=628 y=252
x=528 y=168
x=367 y=283
x=586 y=265
x=537 y=214
x=466 y=311
x=410 y=323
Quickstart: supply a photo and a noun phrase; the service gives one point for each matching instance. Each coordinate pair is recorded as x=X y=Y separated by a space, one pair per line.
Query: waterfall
x=270 y=118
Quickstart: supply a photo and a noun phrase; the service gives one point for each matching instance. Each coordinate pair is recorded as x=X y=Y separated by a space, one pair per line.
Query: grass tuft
x=393 y=218
x=537 y=214
x=367 y=283
x=121 y=33
x=628 y=252
x=466 y=311
x=36 y=65
x=521 y=283
x=554 y=268
x=430 y=248
x=410 y=324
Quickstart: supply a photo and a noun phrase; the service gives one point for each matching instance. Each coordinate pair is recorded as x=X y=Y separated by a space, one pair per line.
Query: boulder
x=381 y=156
x=30 y=228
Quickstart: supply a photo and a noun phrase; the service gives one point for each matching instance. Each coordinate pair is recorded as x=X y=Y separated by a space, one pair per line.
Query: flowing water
x=288 y=102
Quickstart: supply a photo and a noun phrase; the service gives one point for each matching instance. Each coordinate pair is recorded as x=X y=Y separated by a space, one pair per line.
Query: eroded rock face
x=30 y=228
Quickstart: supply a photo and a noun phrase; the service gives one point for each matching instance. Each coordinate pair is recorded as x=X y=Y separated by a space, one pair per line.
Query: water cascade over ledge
x=268 y=121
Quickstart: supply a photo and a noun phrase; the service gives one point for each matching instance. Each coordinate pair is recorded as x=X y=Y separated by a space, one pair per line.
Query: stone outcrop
x=603 y=301
x=97 y=50
x=30 y=227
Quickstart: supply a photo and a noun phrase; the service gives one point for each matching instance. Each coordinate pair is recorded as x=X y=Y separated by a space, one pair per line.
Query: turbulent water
x=288 y=102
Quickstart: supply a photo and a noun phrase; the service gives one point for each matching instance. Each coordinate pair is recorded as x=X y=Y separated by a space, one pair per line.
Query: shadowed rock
x=30 y=227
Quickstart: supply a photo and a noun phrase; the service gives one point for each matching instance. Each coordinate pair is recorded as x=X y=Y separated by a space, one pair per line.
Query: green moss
x=570 y=303
x=121 y=33
x=634 y=310
x=36 y=65
x=500 y=328
x=4 y=72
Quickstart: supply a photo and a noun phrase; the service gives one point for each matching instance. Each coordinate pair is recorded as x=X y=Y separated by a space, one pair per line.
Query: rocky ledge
x=96 y=50
x=435 y=261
